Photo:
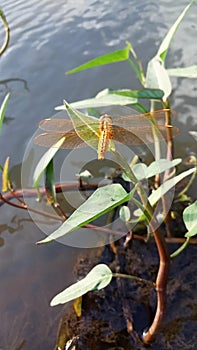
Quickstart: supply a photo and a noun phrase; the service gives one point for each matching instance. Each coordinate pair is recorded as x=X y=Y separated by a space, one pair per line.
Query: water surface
x=47 y=39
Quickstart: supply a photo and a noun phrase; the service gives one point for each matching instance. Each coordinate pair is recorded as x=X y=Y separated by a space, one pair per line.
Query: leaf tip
x=53 y=303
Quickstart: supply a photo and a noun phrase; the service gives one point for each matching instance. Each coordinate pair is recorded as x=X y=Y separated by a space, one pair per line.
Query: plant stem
x=7 y=32
x=163 y=272
x=180 y=249
x=170 y=151
x=161 y=285
x=134 y=278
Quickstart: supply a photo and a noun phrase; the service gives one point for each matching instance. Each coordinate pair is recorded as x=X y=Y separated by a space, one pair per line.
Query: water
x=47 y=39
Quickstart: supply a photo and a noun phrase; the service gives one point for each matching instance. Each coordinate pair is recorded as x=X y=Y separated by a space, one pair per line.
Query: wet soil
x=114 y=318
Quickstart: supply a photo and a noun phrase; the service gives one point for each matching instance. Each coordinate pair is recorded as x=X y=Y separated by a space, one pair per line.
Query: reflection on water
x=30 y=277
x=47 y=39
x=6 y=84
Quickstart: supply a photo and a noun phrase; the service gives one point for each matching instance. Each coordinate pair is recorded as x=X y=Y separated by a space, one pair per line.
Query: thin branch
x=73 y=187
x=134 y=278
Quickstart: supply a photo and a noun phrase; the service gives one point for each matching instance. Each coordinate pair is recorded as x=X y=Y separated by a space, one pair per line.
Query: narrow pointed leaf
x=164 y=188
x=99 y=277
x=116 y=56
x=163 y=49
x=100 y=202
x=157 y=76
x=135 y=68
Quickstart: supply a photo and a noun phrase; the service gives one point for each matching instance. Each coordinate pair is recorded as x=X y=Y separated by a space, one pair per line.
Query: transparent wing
x=130 y=130
x=72 y=140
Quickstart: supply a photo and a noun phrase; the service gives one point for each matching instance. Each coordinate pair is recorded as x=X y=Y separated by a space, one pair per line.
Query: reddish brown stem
x=73 y=187
x=161 y=286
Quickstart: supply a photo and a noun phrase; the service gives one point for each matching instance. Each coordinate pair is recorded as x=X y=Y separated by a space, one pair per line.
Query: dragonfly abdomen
x=105 y=135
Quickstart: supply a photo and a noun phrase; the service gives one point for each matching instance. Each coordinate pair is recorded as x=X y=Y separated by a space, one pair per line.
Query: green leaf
x=100 y=202
x=163 y=49
x=87 y=127
x=161 y=165
x=164 y=188
x=187 y=72
x=124 y=213
x=135 y=68
x=154 y=94
x=3 y=109
x=44 y=161
x=190 y=219
x=139 y=107
x=49 y=183
x=99 y=277
x=101 y=101
x=142 y=171
x=137 y=65
x=123 y=97
x=157 y=77
x=116 y=56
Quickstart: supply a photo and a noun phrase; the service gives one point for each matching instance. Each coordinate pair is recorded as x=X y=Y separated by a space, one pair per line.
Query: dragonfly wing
x=56 y=124
x=143 y=120
x=87 y=132
x=143 y=135
x=72 y=140
x=65 y=125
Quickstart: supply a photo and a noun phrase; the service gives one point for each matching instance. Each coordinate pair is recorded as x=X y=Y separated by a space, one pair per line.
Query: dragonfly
x=101 y=133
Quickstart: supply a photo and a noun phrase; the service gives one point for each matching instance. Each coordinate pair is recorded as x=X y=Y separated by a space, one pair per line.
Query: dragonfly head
x=105 y=118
